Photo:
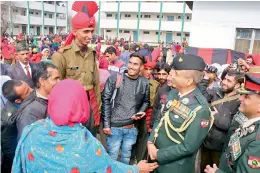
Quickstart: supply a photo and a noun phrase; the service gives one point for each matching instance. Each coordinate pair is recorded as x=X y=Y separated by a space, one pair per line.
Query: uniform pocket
x=72 y=72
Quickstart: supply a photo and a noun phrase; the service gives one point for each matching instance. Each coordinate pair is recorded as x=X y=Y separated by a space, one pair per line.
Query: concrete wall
x=214 y=23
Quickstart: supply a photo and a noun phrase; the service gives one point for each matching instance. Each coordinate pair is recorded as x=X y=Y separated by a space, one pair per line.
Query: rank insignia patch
x=204 y=123
x=254 y=162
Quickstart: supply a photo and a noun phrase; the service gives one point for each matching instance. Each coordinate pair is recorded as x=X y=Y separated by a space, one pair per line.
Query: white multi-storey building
x=229 y=25
x=171 y=23
x=53 y=16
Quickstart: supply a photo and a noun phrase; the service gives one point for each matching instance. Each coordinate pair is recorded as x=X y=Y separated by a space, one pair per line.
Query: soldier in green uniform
x=77 y=61
x=185 y=119
x=242 y=152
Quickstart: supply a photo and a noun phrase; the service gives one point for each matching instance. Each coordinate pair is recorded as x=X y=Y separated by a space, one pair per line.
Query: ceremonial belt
x=148 y=117
x=225 y=99
x=94 y=106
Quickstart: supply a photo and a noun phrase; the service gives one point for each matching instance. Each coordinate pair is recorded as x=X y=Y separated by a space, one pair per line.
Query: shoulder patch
x=253 y=162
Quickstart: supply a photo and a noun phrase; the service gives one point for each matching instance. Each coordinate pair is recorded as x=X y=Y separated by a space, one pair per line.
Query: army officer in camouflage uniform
x=242 y=152
x=185 y=120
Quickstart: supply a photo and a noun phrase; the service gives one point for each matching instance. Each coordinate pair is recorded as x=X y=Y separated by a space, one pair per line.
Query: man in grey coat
x=23 y=70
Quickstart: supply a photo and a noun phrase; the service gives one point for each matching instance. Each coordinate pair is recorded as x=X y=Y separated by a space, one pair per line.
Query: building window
x=36 y=13
x=16 y=26
x=23 y=13
x=140 y=16
x=179 y=17
x=147 y=16
x=109 y=15
x=108 y=30
x=50 y=16
x=15 y=10
x=146 y=32
x=256 y=47
x=243 y=40
x=31 y=12
x=178 y=34
x=170 y=18
x=45 y=14
x=45 y=27
x=126 y=31
x=187 y=35
x=248 y=40
x=158 y=16
x=188 y=18
x=31 y=26
x=158 y=32
x=128 y=15
x=120 y=31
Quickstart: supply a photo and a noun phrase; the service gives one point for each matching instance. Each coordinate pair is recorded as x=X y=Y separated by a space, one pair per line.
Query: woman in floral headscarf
x=62 y=144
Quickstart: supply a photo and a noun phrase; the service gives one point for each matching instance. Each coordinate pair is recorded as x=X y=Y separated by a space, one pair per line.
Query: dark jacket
x=223 y=118
x=16 y=72
x=4 y=68
x=8 y=135
x=31 y=110
x=160 y=99
x=142 y=95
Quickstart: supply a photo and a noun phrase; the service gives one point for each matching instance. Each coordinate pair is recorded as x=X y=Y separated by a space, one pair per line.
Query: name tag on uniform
x=113 y=68
x=234 y=146
x=74 y=68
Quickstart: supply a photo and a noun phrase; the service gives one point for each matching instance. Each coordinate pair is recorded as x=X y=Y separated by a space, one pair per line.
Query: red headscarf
x=84 y=18
x=68 y=103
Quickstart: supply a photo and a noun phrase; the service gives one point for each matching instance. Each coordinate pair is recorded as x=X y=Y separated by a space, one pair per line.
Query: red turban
x=150 y=65
x=84 y=18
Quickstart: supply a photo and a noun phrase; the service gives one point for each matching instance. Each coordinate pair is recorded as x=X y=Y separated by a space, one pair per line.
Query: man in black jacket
x=35 y=107
x=123 y=106
x=224 y=104
x=15 y=91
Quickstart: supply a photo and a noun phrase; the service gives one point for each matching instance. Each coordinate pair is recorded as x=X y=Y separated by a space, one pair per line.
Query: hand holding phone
x=138 y=115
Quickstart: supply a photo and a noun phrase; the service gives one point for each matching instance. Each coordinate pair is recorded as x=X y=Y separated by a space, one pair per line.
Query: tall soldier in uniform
x=186 y=120
x=76 y=60
x=242 y=152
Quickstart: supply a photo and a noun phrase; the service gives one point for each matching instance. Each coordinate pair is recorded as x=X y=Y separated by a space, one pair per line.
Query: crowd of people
x=125 y=107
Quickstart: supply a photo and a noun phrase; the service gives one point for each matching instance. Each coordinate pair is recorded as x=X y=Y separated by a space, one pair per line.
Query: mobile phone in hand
x=138 y=115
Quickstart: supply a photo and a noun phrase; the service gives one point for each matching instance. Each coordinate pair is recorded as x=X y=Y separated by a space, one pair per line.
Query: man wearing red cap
x=76 y=60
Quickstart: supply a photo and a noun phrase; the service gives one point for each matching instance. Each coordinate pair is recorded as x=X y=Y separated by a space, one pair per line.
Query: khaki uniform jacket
x=72 y=65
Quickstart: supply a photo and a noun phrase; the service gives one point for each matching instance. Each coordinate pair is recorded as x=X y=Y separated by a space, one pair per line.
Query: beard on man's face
x=162 y=81
x=227 y=90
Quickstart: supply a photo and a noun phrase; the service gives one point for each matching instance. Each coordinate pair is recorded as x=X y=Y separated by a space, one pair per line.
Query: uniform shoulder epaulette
x=201 y=99
x=154 y=82
x=63 y=49
x=258 y=132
